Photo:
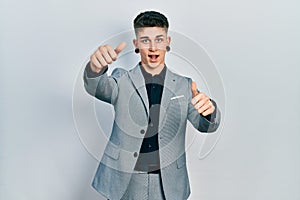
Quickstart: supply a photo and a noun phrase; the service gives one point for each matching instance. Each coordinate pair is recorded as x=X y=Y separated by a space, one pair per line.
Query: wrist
x=94 y=68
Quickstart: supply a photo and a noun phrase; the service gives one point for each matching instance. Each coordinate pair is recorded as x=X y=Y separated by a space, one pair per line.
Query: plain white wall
x=254 y=44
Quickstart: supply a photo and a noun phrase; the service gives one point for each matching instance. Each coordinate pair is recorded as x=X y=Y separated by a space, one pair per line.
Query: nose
x=152 y=46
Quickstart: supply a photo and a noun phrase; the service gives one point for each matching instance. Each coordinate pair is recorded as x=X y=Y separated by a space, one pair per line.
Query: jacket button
x=142 y=131
x=135 y=154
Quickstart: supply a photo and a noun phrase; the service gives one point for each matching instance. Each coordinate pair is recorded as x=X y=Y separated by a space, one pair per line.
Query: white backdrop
x=254 y=44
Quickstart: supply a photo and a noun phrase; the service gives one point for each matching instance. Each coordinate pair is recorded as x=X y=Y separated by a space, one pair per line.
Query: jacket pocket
x=181 y=161
x=112 y=151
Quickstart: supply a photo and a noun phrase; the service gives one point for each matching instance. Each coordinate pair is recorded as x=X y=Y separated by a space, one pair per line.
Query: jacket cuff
x=91 y=74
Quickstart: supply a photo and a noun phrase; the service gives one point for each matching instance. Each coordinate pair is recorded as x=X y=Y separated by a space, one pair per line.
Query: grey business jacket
x=126 y=91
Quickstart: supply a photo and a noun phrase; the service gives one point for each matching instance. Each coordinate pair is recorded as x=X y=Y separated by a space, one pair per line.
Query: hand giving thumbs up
x=201 y=102
x=105 y=55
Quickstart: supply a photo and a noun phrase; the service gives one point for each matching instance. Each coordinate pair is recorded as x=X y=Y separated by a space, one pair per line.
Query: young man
x=145 y=156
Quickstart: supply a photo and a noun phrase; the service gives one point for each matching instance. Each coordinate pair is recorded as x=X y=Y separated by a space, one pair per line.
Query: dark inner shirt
x=148 y=159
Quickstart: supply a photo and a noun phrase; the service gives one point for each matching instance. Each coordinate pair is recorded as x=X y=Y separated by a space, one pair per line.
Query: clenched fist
x=105 y=55
x=201 y=102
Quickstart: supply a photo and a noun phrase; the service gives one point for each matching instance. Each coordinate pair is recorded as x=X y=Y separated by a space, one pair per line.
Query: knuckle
x=108 y=58
x=108 y=47
x=114 y=57
x=102 y=49
x=201 y=96
x=93 y=60
x=98 y=54
x=207 y=104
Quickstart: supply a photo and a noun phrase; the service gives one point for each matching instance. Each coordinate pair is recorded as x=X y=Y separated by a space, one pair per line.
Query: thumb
x=194 y=89
x=120 y=47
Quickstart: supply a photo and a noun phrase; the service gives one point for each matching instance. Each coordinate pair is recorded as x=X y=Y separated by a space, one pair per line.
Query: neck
x=153 y=71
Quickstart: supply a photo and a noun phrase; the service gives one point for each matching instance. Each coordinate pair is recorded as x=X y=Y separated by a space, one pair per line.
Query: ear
x=135 y=43
x=168 y=40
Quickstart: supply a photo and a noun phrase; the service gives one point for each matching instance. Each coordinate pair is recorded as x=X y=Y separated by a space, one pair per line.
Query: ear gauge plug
x=168 y=48
x=137 y=50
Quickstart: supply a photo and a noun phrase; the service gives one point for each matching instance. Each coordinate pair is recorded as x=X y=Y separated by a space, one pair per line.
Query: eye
x=158 y=40
x=145 y=41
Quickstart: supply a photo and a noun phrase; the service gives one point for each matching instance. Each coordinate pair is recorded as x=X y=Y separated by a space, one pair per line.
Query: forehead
x=151 y=32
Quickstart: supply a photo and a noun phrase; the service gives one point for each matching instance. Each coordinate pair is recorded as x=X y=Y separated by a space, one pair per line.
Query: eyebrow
x=146 y=37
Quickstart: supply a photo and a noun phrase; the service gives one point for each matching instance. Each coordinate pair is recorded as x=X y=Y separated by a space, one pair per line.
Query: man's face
x=152 y=43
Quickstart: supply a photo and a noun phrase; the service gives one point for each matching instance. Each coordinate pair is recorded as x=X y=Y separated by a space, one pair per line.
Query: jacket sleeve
x=201 y=123
x=102 y=86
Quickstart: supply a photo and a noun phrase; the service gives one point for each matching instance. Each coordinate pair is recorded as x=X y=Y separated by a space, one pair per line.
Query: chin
x=154 y=65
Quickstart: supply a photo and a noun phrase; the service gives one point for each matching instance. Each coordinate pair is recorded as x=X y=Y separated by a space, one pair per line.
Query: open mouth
x=153 y=58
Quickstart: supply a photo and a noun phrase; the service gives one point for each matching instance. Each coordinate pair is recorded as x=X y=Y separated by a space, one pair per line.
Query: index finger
x=200 y=96
x=112 y=53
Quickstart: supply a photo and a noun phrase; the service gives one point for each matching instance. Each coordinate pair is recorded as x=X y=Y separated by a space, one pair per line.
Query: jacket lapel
x=138 y=81
x=168 y=93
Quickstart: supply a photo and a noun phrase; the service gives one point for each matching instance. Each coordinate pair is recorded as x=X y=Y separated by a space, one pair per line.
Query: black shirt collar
x=157 y=78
